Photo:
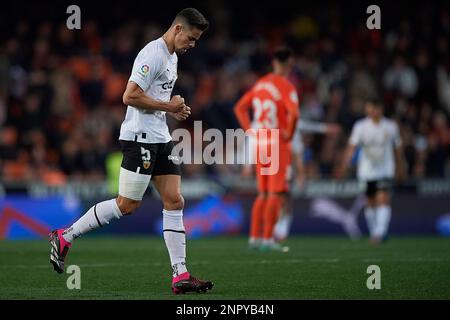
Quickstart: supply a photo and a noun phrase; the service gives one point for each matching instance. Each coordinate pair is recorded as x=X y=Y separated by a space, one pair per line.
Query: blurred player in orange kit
x=274 y=103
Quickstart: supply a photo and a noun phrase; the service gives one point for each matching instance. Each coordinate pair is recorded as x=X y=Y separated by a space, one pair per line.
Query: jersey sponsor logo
x=161 y=115
x=144 y=70
x=168 y=85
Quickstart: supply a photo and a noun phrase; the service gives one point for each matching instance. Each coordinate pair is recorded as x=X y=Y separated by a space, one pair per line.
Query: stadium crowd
x=61 y=90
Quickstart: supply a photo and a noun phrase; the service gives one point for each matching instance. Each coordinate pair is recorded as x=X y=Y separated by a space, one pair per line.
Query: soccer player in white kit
x=146 y=146
x=379 y=141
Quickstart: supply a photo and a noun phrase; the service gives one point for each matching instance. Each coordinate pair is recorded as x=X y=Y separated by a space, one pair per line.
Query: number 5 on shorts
x=145 y=157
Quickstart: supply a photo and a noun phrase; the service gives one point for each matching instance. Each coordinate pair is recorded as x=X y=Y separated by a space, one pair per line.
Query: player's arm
x=291 y=102
x=348 y=154
x=297 y=158
x=399 y=155
x=292 y=118
x=400 y=162
x=299 y=168
x=241 y=110
x=311 y=126
x=147 y=67
x=318 y=127
x=349 y=151
x=134 y=96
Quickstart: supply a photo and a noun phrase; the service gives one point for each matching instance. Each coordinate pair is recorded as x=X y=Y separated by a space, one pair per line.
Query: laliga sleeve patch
x=144 y=70
x=294 y=97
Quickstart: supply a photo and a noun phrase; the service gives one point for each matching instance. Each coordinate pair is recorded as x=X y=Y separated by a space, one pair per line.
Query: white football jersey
x=377 y=141
x=155 y=71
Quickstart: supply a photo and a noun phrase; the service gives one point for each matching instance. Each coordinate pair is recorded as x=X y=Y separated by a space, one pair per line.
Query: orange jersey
x=274 y=102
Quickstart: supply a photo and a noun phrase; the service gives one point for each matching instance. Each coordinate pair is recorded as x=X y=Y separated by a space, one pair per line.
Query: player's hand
x=340 y=173
x=401 y=174
x=176 y=104
x=300 y=179
x=183 y=114
x=285 y=136
x=333 y=129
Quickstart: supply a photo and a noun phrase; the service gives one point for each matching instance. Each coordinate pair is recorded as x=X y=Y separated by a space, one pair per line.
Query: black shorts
x=149 y=158
x=376 y=185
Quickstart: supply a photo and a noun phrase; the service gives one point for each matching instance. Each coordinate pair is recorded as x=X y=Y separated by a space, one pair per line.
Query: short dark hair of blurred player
x=380 y=145
x=274 y=103
x=146 y=146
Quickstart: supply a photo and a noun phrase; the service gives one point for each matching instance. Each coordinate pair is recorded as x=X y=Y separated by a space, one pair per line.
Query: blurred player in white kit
x=380 y=146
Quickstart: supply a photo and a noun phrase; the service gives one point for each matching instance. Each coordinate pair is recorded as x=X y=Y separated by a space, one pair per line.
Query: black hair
x=375 y=101
x=194 y=18
x=282 y=54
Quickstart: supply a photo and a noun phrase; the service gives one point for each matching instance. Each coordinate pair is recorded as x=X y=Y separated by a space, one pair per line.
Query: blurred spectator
x=401 y=78
x=443 y=85
x=61 y=90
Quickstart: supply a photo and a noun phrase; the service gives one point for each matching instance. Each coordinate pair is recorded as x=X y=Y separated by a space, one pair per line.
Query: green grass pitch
x=314 y=268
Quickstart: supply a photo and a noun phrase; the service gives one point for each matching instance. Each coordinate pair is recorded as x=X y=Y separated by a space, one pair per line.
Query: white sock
x=383 y=218
x=370 y=214
x=283 y=225
x=254 y=241
x=175 y=238
x=95 y=217
x=268 y=242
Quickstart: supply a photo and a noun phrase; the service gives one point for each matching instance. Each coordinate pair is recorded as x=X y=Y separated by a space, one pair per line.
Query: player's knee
x=127 y=206
x=174 y=202
x=262 y=195
x=275 y=195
